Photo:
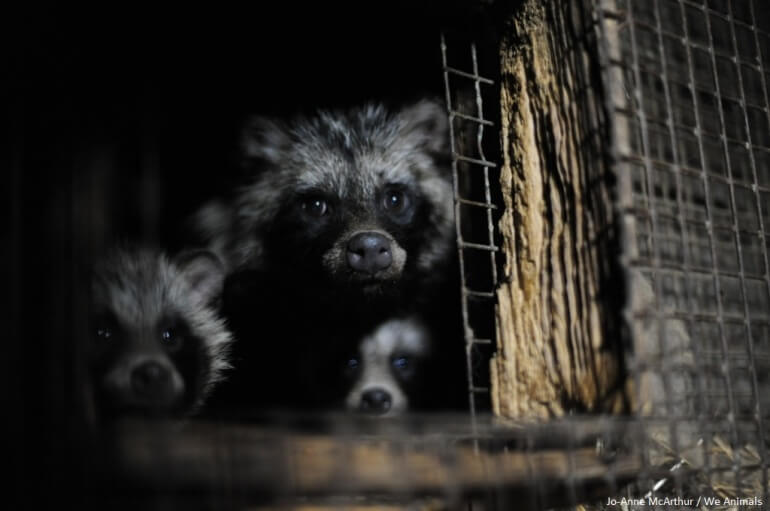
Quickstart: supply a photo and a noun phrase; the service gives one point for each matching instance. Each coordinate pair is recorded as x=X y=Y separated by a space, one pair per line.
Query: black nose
x=369 y=252
x=375 y=401
x=150 y=379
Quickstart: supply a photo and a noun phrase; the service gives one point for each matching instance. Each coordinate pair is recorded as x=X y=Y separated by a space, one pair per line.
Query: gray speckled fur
x=349 y=154
x=140 y=286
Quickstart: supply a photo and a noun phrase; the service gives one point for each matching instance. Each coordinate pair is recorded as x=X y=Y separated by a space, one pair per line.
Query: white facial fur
x=407 y=337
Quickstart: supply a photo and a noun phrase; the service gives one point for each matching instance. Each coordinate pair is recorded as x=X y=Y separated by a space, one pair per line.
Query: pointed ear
x=263 y=140
x=204 y=273
x=426 y=123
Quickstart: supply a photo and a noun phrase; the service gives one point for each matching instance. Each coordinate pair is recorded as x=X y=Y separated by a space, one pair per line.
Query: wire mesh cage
x=691 y=115
x=635 y=135
x=476 y=208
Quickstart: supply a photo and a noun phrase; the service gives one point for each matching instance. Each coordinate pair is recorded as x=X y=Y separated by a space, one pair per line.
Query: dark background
x=117 y=122
x=163 y=91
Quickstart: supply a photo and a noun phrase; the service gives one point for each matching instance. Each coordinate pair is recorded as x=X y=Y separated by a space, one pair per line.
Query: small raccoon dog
x=386 y=374
x=158 y=346
x=354 y=206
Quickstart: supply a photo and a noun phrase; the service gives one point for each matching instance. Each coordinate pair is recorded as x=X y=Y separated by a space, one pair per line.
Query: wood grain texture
x=557 y=346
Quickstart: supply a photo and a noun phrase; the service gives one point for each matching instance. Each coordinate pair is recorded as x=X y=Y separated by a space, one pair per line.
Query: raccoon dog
x=346 y=219
x=356 y=206
x=401 y=364
x=387 y=372
x=158 y=344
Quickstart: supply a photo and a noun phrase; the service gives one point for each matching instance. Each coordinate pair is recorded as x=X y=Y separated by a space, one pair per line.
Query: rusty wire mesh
x=687 y=90
x=475 y=177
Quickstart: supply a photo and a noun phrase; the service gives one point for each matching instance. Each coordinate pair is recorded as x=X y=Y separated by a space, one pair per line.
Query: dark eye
x=105 y=327
x=104 y=333
x=171 y=338
x=315 y=207
x=403 y=367
x=401 y=363
x=395 y=201
x=352 y=366
x=398 y=203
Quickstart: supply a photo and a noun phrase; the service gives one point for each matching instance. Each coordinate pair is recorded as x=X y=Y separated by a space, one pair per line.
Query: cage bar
x=468 y=146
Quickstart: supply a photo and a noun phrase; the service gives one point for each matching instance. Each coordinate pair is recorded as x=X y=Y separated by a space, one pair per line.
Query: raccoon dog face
x=360 y=198
x=387 y=367
x=158 y=345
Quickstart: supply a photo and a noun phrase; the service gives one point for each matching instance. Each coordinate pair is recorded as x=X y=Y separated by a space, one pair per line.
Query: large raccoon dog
x=355 y=206
x=158 y=344
x=346 y=219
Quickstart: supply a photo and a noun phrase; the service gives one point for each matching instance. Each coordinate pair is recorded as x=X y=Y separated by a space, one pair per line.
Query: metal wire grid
x=695 y=106
x=481 y=244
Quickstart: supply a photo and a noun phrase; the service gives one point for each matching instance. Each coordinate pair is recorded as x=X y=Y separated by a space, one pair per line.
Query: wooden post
x=558 y=310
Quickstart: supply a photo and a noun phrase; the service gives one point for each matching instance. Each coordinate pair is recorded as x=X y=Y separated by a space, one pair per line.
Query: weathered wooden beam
x=558 y=310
